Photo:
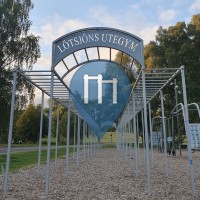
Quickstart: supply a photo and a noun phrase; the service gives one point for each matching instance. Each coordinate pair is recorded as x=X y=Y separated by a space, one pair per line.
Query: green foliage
x=28 y=125
x=175 y=46
x=45 y=141
x=17 y=48
x=28 y=159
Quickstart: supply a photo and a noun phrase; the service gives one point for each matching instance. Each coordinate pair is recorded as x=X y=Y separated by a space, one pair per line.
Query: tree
x=175 y=46
x=28 y=124
x=17 y=48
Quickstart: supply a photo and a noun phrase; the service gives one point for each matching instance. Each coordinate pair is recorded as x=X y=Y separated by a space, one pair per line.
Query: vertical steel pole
x=10 y=132
x=74 y=133
x=135 y=137
x=56 y=152
x=129 y=134
x=151 y=135
x=67 y=146
x=117 y=139
x=146 y=129
x=138 y=135
x=123 y=132
x=49 y=135
x=164 y=132
x=126 y=138
x=177 y=118
x=88 y=143
x=84 y=126
x=40 y=138
x=173 y=137
x=188 y=131
x=143 y=136
x=78 y=143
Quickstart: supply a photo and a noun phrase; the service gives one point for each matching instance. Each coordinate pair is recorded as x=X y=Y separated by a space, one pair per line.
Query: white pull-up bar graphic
x=100 y=81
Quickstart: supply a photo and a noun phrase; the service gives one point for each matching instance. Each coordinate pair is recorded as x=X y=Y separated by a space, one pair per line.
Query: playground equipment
x=55 y=83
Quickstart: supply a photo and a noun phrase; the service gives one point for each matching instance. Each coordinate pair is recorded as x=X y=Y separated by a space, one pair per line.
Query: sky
x=54 y=18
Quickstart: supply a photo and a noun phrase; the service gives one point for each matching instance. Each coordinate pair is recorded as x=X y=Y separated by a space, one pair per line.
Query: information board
x=156 y=137
x=195 y=136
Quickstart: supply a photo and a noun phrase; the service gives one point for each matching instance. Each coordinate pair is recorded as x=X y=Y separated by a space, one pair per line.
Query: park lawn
x=22 y=160
x=107 y=137
x=22 y=145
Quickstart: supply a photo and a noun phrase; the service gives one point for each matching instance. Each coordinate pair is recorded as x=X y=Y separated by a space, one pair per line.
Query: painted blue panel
x=97 y=37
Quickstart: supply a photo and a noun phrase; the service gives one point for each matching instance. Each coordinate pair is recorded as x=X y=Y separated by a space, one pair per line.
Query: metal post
x=84 y=126
x=135 y=137
x=143 y=137
x=74 y=133
x=123 y=137
x=87 y=143
x=164 y=132
x=49 y=135
x=67 y=147
x=126 y=138
x=78 y=143
x=146 y=130
x=40 y=138
x=129 y=134
x=173 y=137
x=10 y=132
x=56 y=152
x=188 y=131
x=151 y=135
x=117 y=139
x=138 y=135
x=177 y=118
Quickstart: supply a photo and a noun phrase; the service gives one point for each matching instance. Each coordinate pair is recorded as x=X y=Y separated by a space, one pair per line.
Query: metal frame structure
x=55 y=83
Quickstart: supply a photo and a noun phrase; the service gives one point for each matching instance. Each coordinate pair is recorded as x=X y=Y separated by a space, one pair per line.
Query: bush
x=45 y=141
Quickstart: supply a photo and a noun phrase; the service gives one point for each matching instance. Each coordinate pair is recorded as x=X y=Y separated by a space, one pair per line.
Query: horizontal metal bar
x=26 y=71
x=156 y=77
x=43 y=79
x=155 y=81
x=160 y=73
x=49 y=85
x=45 y=82
x=29 y=75
x=152 y=69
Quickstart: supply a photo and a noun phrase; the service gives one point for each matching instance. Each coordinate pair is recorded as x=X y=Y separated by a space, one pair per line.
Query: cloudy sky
x=54 y=18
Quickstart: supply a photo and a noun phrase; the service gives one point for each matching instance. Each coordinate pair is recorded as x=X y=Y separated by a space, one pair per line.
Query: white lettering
x=76 y=41
x=115 y=39
x=121 y=41
x=132 y=46
x=70 y=40
x=61 y=49
x=65 y=43
x=96 y=37
x=103 y=38
x=91 y=37
x=85 y=38
x=127 y=42
x=110 y=37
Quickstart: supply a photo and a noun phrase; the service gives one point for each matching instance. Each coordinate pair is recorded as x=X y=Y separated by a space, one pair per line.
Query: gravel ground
x=107 y=176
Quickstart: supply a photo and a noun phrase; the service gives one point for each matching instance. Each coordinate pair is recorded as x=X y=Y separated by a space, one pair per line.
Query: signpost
x=195 y=136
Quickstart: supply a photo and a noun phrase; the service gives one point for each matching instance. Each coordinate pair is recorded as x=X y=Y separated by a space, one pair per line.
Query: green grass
x=22 y=145
x=109 y=146
x=107 y=137
x=28 y=159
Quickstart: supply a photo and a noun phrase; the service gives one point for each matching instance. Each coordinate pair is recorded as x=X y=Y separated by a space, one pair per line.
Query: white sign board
x=169 y=139
x=195 y=136
x=156 y=136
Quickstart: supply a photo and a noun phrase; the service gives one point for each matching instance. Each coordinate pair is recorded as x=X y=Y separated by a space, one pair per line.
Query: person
x=169 y=151
x=173 y=152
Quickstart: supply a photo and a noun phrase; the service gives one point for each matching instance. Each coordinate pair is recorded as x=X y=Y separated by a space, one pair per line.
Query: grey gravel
x=107 y=176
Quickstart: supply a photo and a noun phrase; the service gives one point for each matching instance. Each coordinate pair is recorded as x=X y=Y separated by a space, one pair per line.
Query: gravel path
x=107 y=176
